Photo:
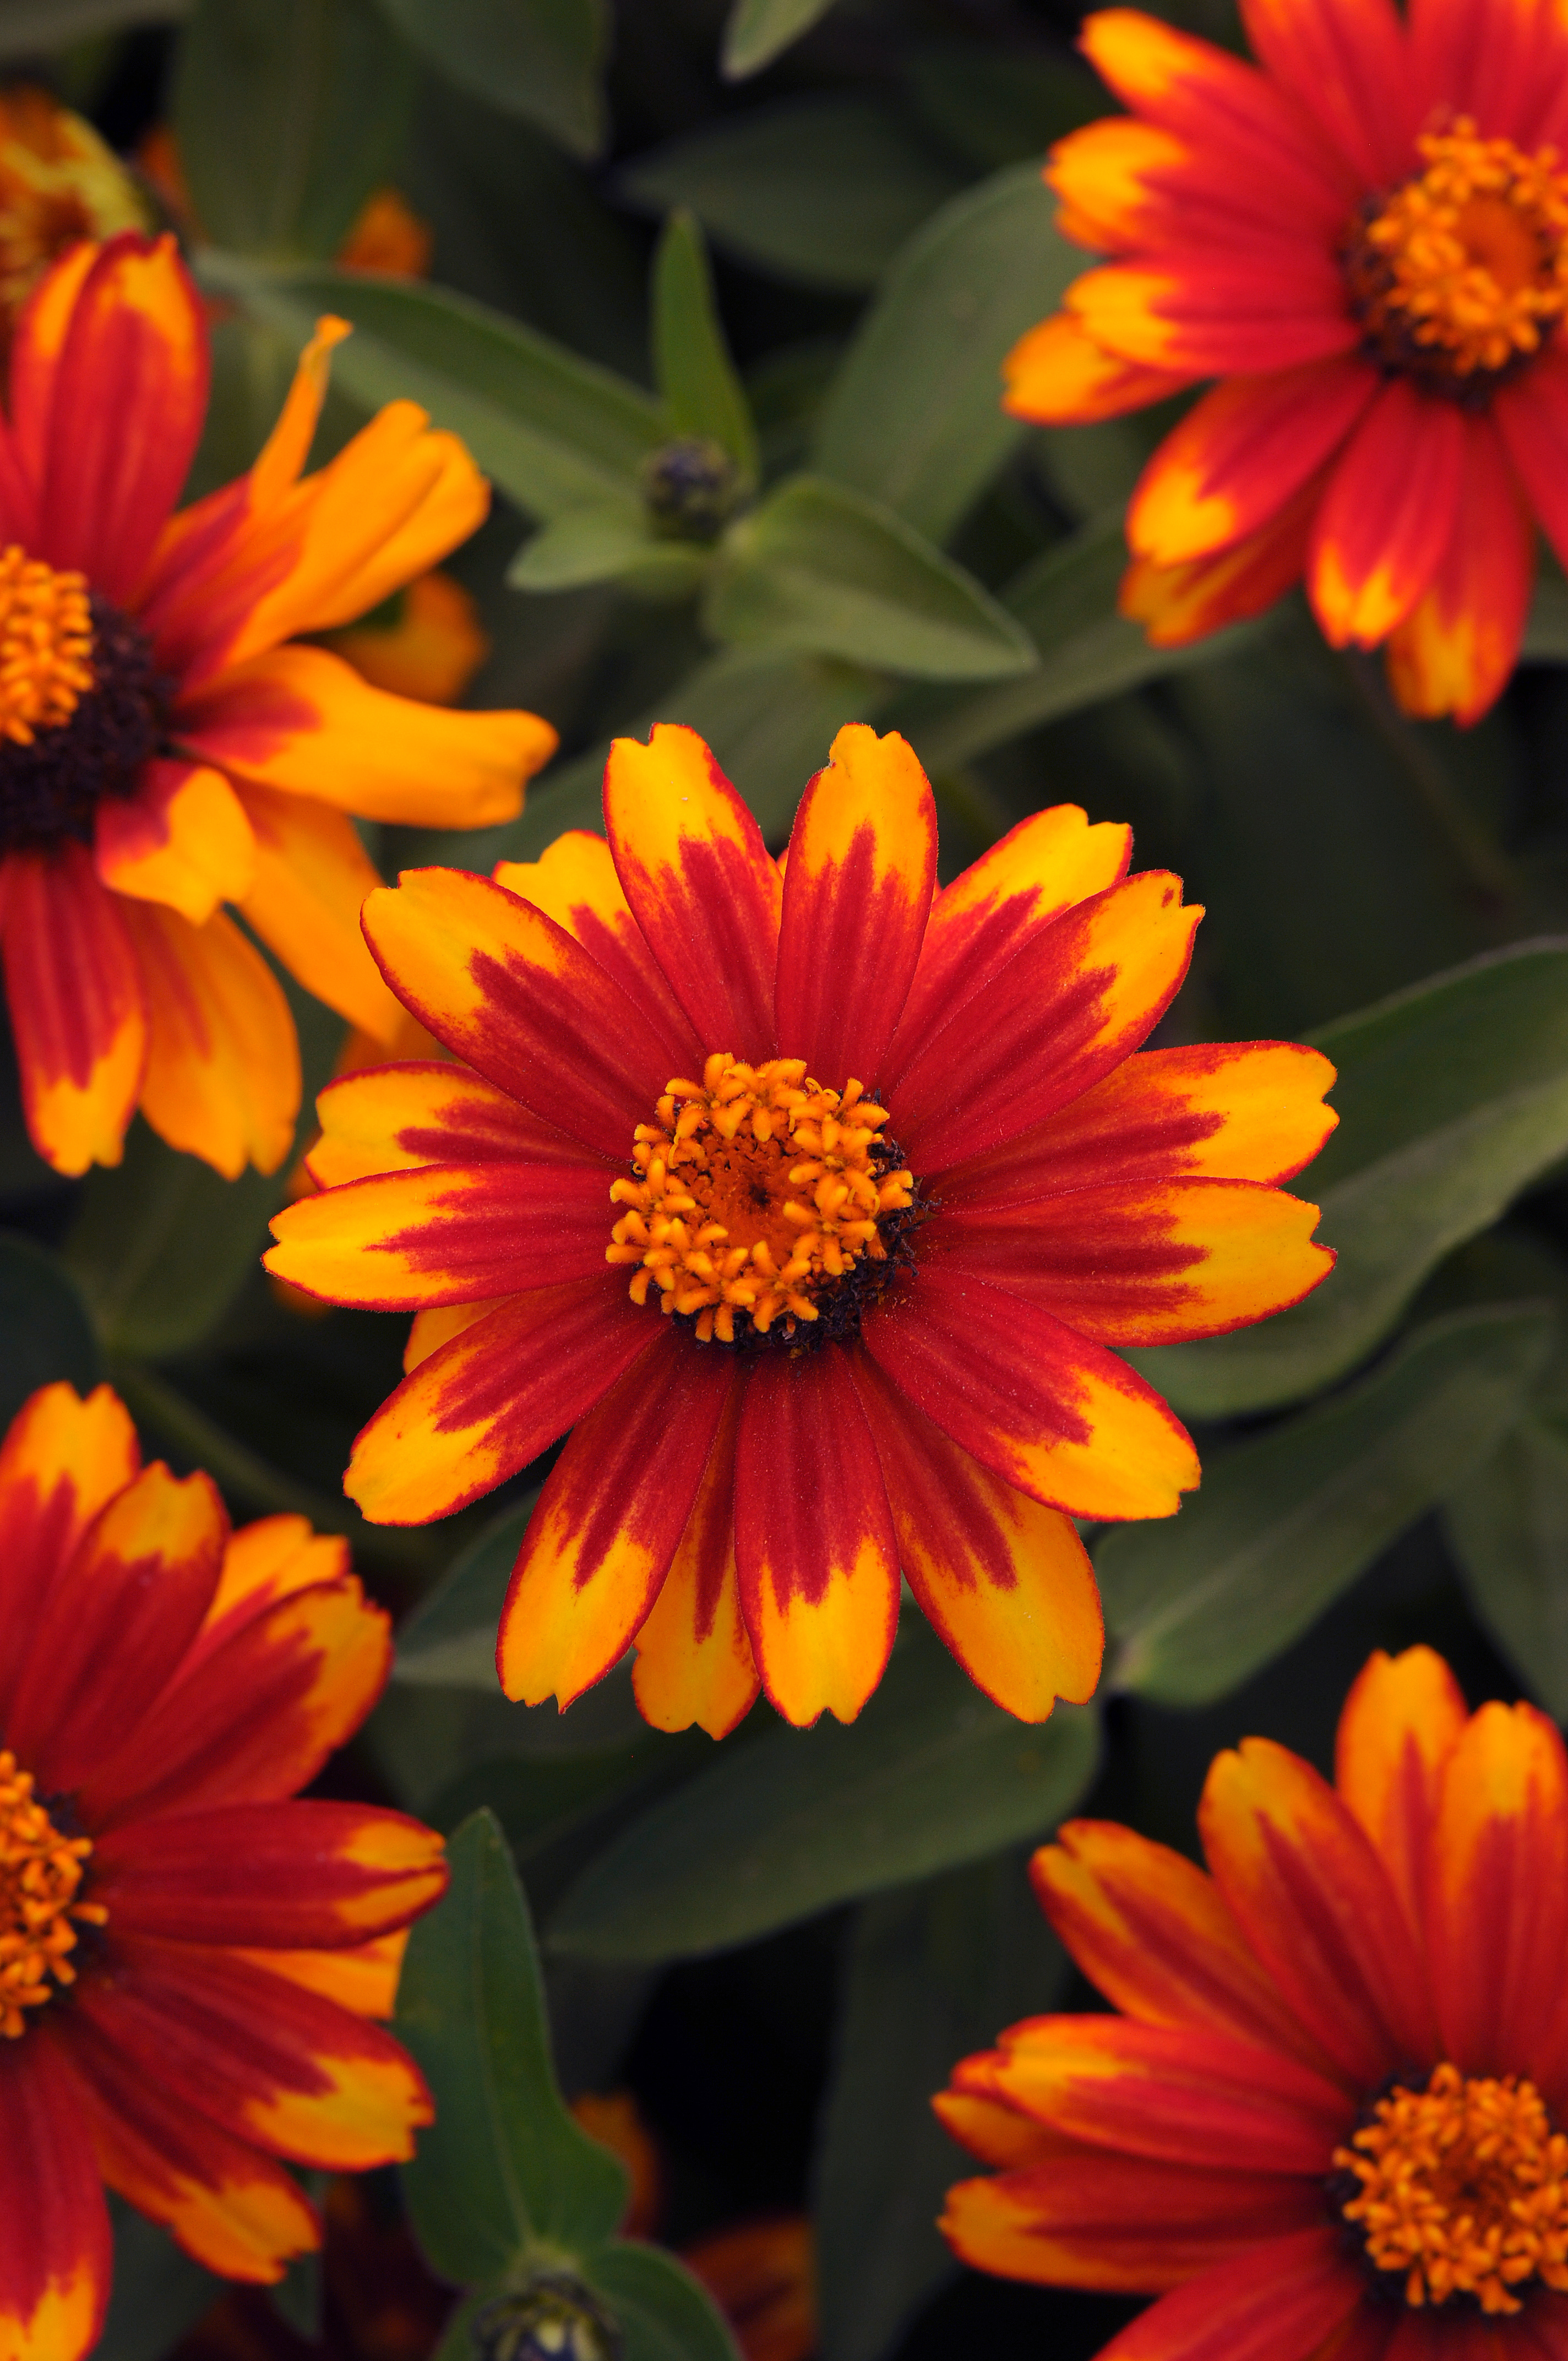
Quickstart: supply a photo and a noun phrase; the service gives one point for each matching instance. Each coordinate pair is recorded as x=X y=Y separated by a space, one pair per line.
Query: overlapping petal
x=221 y=1073
x=183 y=840
x=445 y=1233
x=391 y=1118
x=1400 y=1724
x=1240 y=455
x=55 y=2251
x=62 y=1460
x=573 y=881
x=693 y=1658
x=78 y=1006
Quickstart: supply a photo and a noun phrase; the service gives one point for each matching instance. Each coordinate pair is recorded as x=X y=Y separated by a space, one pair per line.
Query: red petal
x=1387 y=515
x=694 y=1660
x=1509 y=66
x=425 y=1111
x=1399 y=1725
x=1217 y=315
x=1532 y=419
x=64 y=1459
x=1454 y=652
x=55 y=2249
x=1278 y=2302
x=77 y=1006
x=573 y=882
x=1346 y=64
x=1240 y=455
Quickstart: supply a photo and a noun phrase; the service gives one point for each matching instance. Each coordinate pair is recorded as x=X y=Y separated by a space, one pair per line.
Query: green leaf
x=1546 y=632
x=823 y=570
x=1283 y=1524
x=1452 y=1097
x=555 y=433
x=821 y=189
x=758 y=30
x=600 y=545
x=288 y=114
x=541 y=59
x=503 y=2177
x=914 y=416
x=29 y=27
x=158 y=2292
x=998 y=106
x=932 y=1975
x=663 y=2312
x=449 y=1641
x=539 y=1798
x=932 y=1774
x=46 y=1332
x=697 y=377
x=1507 y=1523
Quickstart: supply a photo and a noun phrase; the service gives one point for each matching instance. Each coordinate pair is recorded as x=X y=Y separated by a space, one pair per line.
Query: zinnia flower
x=819 y=1206
x=59 y=183
x=162 y=750
x=1330 y=2117
x=187 y=1957
x=1366 y=238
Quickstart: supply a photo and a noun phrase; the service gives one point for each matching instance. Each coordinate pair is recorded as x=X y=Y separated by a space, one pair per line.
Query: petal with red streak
x=1051 y=1414
x=223 y=1059
x=814 y=1537
x=77 y=1006
x=1127 y=184
x=1387 y=515
x=445 y=1233
x=1400 y=1723
x=1511 y=62
x=1346 y=64
x=996 y=2133
x=364 y=1978
x=697 y=874
x=1277 y=2301
x=1221 y=316
x=1532 y=419
x=694 y=1660
x=392 y=1118
x=1455 y=649
x=1240 y=455
x=64 y=1460
x=1006 y=1582
x=1178 y=604
x=56 y=2254
x=182 y=840
x=862 y=868
x=609 y=1521
x=264 y=1562
x=1056 y=375
x=490 y=1399
x=573 y=882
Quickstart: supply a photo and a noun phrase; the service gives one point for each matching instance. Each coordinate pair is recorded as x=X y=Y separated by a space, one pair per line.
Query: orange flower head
x=167 y=741
x=1330 y=2114
x=818 y=1205
x=1364 y=238
x=190 y=1956
x=59 y=183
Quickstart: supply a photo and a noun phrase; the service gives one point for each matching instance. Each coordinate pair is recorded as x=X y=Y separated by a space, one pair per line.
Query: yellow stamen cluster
x=46 y=645
x=1464 y=2187
x=39 y=1873
x=1464 y=269
x=757 y=1191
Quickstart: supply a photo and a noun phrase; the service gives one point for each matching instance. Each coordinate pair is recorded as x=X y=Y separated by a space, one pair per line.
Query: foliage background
x=810 y=234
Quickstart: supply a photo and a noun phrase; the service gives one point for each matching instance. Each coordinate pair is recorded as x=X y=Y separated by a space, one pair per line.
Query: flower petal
x=1192 y=315
x=1346 y=65
x=394 y=1118
x=116 y=1622
x=1122 y=2224
x=694 y=1660
x=1240 y=455
x=1277 y=2300
x=310 y=878
x=64 y=1460
x=1044 y=866
x=1056 y=375
x=1129 y=184
x=996 y=2132
x=1317 y=1907
x=182 y=840
x=507 y=989
x=1159 y=1938
x=491 y=1399
x=364 y=1978
x=862 y=868
x=1049 y=1412
x=293 y=1876
x=1006 y=1583
x=304 y=721
x=1532 y=419
x=445 y=1233
x=1157 y=1265
x=814 y=1538
x=1178 y=604
x=1075 y=999
x=76 y=1004
x=56 y=2256
x=1511 y=62
x=609 y=1521
x=223 y=1059
x=1400 y=1723
x=1387 y=515
x=573 y=882
x=697 y=874
x=1454 y=651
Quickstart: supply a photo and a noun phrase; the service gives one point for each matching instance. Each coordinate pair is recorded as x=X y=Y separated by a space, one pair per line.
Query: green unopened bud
x=554 y=2317
x=691 y=487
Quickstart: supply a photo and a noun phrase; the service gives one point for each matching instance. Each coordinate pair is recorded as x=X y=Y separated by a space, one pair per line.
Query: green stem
x=1482 y=861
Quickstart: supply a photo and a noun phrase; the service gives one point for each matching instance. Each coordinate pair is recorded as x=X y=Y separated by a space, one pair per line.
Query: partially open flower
x=59 y=183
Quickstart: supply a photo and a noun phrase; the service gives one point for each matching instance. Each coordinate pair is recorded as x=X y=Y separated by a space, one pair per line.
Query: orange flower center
x=40 y=1870
x=761 y=1197
x=46 y=645
x=1464 y=2188
x=1461 y=273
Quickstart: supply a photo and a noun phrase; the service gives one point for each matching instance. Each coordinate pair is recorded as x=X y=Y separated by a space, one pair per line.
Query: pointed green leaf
x=662 y=2311
x=703 y=395
x=503 y=2176
x=1001 y=105
x=1508 y=1525
x=596 y=545
x=541 y=59
x=822 y=570
x=758 y=30
x=46 y=1332
x=1283 y=1524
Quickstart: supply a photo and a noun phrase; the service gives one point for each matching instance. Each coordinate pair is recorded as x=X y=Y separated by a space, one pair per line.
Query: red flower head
x=889 y=1170
x=188 y=1958
x=166 y=744
x=1329 y=2118
x=1366 y=238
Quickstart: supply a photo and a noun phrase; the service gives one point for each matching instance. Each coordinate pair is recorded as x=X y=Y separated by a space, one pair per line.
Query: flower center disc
x=1461 y=275
x=762 y=1197
x=40 y=1870
x=1463 y=2189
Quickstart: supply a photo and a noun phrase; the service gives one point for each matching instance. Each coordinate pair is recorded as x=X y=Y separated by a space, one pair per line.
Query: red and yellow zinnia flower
x=1364 y=237
x=188 y=1957
x=166 y=744
x=821 y=1205
x=1332 y=2116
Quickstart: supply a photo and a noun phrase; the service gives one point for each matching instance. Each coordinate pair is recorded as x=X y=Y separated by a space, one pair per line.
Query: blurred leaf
x=1452 y=1097
x=932 y=1774
x=998 y=106
x=594 y=544
x=158 y=2292
x=822 y=190
x=691 y=359
x=1283 y=1524
x=758 y=30
x=449 y=1641
x=27 y=26
x=663 y=2312
x=504 y=2175
x=288 y=114
x=915 y=417
x=823 y=570
x=932 y=1975
x=1507 y=1523
x=541 y=60
x=1546 y=632
x=539 y=1798
x=46 y=1332
x=555 y=433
